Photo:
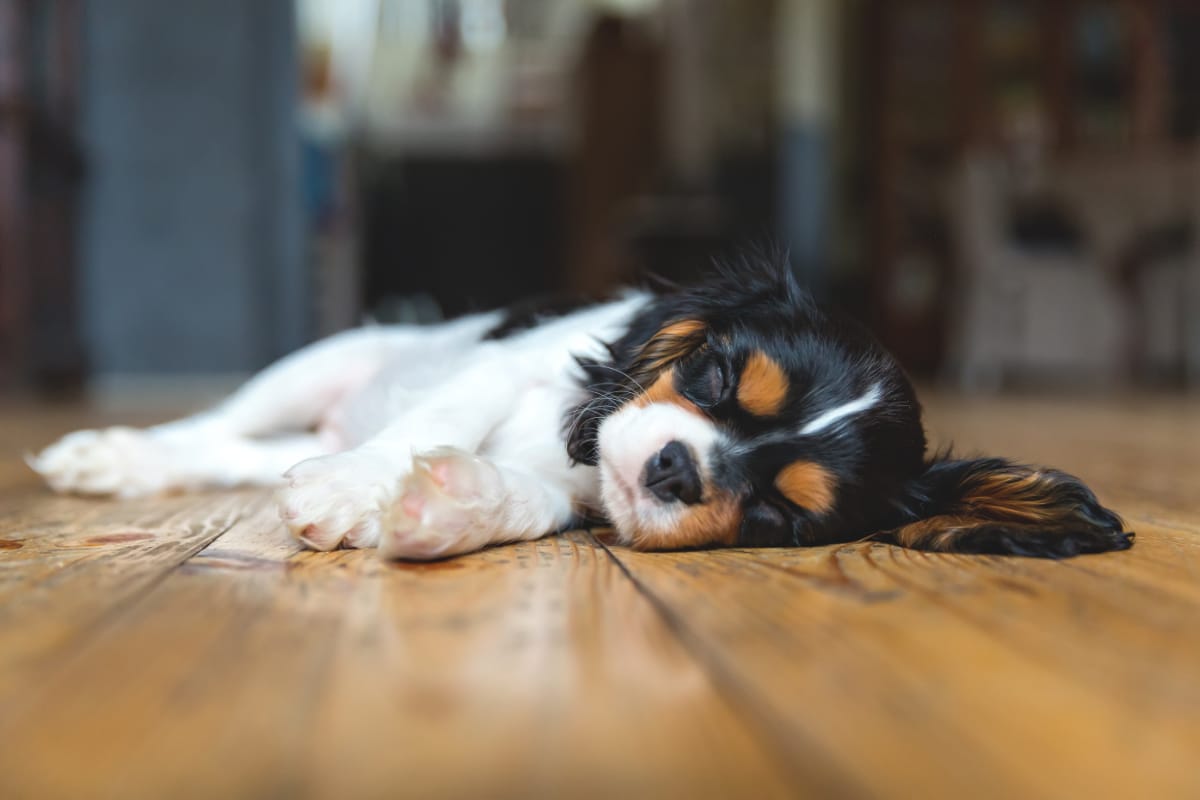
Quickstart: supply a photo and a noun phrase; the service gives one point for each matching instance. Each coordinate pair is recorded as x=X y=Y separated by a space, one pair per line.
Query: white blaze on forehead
x=836 y=415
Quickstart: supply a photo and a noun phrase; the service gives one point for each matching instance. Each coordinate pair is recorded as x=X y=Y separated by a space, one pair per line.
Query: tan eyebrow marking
x=763 y=386
x=683 y=328
x=808 y=485
x=670 y=344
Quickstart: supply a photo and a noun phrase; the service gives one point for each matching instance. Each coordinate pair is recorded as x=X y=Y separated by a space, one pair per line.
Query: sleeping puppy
x=736 y=413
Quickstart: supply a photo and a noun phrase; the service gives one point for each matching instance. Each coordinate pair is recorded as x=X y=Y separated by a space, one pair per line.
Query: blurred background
x=1006 y=191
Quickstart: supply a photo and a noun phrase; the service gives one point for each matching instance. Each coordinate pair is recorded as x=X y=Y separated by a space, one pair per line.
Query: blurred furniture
x=922 y=98
x=619 y=154
x=1077 y=274
x=952 y=78
x=41 y=168
x=459 y=147
x=467 y=225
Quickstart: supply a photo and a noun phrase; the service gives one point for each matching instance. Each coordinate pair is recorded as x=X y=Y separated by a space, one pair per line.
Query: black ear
x=582 y=424
x=990 y=505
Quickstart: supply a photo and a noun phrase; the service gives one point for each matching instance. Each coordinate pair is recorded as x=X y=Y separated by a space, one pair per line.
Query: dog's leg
x=454 y=502
x=219 y=447
x=127 y=462
x=295 y=393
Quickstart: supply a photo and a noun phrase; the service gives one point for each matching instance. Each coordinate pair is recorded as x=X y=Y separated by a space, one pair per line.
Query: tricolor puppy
x=736 y=413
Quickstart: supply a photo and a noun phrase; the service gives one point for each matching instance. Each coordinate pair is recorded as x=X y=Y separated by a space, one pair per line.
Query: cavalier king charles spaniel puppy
x=736 y=413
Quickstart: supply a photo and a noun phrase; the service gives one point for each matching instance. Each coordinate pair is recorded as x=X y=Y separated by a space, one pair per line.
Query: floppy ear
x=990 y=505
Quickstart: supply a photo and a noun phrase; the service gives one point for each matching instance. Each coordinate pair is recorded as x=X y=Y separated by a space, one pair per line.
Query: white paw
x=125 y=462
x=338 y=499
x=447 y=506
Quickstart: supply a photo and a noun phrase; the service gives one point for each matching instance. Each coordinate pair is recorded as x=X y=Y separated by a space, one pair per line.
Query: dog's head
x=738 y=413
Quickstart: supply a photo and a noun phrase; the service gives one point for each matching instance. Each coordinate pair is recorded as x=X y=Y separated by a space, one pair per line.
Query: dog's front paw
x=447 y=506
x=125 y=462
x=338 y=499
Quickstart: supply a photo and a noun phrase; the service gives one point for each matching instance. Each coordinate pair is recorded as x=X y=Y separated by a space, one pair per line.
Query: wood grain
x=186 y=647
x=913 y=673
x=257 y=670
x=67 y=563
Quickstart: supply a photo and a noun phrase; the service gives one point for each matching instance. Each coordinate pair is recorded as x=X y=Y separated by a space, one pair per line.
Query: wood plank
x=258 y=670
x=933 y=675
x=67 y=563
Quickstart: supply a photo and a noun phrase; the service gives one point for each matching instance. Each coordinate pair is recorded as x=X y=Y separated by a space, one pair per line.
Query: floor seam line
x=745 y=704
x=126 y=604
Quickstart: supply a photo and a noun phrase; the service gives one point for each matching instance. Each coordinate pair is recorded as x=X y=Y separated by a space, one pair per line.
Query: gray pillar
x=192 y=257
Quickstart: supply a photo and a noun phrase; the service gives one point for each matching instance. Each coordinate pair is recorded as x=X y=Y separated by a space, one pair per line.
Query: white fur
x=835 y=415
x=422 y=441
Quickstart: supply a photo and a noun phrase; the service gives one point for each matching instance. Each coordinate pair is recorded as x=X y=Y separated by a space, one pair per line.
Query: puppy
x=736 y=413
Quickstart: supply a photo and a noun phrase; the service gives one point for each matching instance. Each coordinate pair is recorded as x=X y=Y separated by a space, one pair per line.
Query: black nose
x=671 y=475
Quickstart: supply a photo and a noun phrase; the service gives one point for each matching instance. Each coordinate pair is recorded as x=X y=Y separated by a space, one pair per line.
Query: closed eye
x=707 y=380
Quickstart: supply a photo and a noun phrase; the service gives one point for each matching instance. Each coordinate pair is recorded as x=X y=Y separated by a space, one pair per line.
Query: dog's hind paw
x=125 y=462
x=445 y=507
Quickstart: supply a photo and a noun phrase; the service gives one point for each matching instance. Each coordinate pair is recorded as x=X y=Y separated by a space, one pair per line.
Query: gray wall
x=192 y=240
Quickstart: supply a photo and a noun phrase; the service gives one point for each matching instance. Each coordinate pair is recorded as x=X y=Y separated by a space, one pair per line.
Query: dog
x=734 y=413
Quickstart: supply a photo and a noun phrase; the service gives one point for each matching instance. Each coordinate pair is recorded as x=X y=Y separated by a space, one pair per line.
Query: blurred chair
x=41 y=176
x=1076 y=274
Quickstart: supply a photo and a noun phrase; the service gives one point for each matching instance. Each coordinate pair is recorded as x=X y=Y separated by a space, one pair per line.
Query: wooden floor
x=184 y=647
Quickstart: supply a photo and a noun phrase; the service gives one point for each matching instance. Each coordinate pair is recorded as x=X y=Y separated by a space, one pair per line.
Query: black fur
x=1040 y=541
